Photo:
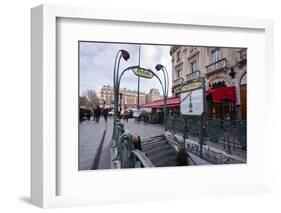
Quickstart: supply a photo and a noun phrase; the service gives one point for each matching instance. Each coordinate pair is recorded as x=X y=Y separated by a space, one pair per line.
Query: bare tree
x=92 y=98
x=83 y=101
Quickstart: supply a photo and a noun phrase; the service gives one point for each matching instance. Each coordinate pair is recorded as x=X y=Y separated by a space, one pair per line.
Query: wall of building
x=129 y=97
x=221 y=71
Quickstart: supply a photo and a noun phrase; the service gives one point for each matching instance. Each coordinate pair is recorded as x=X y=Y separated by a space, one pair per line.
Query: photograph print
x=155 y=105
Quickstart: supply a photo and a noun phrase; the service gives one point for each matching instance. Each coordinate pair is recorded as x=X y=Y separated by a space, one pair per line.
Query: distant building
x=127 y=97
x=153 y=95
x=224 y=71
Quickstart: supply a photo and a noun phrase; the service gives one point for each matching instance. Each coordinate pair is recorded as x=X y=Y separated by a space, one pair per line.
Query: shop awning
x=218 y=95
x=222 y=94
x=171 y=102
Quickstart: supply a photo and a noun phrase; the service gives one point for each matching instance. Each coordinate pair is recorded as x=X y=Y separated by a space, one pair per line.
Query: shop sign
x=192 y=99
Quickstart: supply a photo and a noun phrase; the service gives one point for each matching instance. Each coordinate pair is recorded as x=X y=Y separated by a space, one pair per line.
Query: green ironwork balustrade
x=215 y=129
x=230 y=134
x=128 y=156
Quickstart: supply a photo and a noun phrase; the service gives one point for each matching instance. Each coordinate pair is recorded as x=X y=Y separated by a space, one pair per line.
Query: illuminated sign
x=145 y=73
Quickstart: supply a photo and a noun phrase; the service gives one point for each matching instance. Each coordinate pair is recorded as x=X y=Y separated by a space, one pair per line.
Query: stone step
x=160 y=155
x=159 y=151
x=153 y=143
x=156 y=149
x=168 y=161
x=155 y=138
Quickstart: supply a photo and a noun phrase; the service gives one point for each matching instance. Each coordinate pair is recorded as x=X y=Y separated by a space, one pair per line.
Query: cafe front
x=221 y=103
x=155 y=110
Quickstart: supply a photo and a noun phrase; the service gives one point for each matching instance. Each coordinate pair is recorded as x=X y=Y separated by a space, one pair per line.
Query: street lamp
x=125 y=55
x=160 y=67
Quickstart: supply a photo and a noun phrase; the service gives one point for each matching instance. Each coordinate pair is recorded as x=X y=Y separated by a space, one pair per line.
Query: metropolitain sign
x=142 y=72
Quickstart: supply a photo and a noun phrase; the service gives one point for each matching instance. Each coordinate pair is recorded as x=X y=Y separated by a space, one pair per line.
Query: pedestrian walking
x=98 y=113
x=95 y=114
x=105 y=114
x=126 y=115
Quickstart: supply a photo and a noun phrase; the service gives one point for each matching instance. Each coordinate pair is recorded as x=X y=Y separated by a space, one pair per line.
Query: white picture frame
x=44 y=149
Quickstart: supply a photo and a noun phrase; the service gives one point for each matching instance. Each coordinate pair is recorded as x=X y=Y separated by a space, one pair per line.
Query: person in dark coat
x=105 y=114
x=81 y=114
x=98 y=113
x=88 y=114
x=95 y=114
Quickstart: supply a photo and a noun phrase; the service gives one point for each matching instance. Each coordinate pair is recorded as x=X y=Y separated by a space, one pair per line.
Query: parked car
x=130 y=111
x=111 y=113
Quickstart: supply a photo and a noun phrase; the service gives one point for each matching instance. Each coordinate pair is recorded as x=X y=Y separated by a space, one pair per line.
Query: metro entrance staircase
x=159 y=151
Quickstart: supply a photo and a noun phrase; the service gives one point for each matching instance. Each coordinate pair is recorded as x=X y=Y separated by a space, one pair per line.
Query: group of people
x=98 y=112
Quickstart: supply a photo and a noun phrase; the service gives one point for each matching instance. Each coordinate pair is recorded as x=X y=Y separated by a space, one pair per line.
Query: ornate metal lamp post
x=159 y=67
x=125 y=55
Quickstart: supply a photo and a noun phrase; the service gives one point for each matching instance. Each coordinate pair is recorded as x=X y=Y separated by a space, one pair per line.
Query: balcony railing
x=178 y=81
x=219 y=65
x=193 y=75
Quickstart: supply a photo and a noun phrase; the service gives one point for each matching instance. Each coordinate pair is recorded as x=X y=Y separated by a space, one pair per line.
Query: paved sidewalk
x=105 y=157
x=145 y=130
x=91 y=135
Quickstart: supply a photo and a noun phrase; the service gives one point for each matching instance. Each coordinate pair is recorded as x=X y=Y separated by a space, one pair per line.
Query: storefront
x=156 y=112
x=221 y=103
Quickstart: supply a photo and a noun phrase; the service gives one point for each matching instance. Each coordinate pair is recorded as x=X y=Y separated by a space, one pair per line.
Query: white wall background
x=15 y=104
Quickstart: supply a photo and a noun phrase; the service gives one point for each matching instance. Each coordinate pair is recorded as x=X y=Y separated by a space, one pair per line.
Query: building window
x=178 y=56
x=193 y=49
x=215 y=56
x=178 y=73
x=193 y=66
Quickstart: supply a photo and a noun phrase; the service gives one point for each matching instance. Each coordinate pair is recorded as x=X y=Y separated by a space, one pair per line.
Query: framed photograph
x=150 y=106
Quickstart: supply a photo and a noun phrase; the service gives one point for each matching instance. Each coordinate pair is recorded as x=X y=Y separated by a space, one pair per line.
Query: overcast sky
x=97 y=62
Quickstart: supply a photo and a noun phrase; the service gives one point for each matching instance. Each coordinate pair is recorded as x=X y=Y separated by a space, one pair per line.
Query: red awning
x=218 y=95
x=221 y=94
x=171 y=102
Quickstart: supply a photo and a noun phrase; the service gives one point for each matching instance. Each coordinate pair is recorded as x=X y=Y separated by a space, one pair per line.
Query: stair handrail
x=130 y=157
x=141 y=157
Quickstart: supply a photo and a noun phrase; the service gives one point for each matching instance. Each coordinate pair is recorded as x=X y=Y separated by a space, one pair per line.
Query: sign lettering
x=145 y=73
x=192 y=86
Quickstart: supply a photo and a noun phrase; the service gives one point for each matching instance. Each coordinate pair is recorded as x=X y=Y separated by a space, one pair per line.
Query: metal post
x=125 y=56
x=121 y=96
x=201 y=140
x=201 y=136
x=115 y=79
x=165 y=112
x=138 y=100
x=165 y=91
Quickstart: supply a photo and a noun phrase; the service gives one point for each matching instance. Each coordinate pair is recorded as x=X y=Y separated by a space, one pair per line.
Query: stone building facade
x=128 y=97
x=153 y=95
x=220 y=67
